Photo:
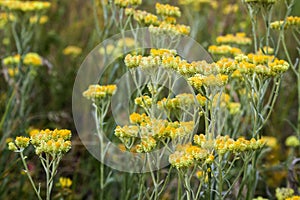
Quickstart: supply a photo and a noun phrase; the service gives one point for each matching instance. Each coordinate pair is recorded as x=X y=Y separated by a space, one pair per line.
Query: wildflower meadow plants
x=175 y=102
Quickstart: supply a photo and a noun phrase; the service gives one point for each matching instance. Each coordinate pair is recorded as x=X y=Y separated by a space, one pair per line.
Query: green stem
x=29 y=176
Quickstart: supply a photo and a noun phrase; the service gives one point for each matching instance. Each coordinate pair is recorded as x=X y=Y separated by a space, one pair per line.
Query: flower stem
x=29 y=176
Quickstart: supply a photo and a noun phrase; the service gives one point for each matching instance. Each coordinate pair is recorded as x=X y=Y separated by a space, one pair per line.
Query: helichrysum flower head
x=51 y=141
x=126 y=3
x=297 y=197
x=65 y=182
x=170 y=29
x=291 y=22
x=98 y=92
x=33 y=59
x=181 y=160
x=167 y=10
x=143 y=101
x=267 y=50
x=12 y=146
x=224 y=144
x=292 y=141
x=238 y=39
x=29 y=59
x=72 y=50
x=234 y=107
x=266 y=65
x=144 y=18
x=12 y=60
x=199 y=80
x=224 y=50
x=284 y=193
x=25 y=6
x=136 y=118
x=38 y=19
x=147 y=144
x=187 y=155
x=127 y=131
x=22 y=142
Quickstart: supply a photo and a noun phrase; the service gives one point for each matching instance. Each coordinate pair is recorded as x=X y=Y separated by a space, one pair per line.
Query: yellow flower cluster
x=25 y=6
x=234 y=107
x=291 y=22
x=142 y=17
x=163 y=52
x=284 y=193
x=72 y=50
x=141 y=119
x=126 y=3
x=65 y=182
x=266 y=50
x=12 y=60
x=4 y=18
x=33 y=59
x=199 y=80
x=238 y=38
x=45 y=141
x=223 y=144
x=230 y=9
x=38 y=19
x=292 y=141
x=260 y=64
x=30 y=59
x=98 y=92
x=19 y=143
x=187 y=155
x=144 y=126
x=293 y=198
x=224 y=50
x=171 y=29
x=127 y=131
x=51 y=141
x=180 y=101
x=147 y=144
x=168 y=59
x=167 y=10
x=225 y=65
x=143 y=101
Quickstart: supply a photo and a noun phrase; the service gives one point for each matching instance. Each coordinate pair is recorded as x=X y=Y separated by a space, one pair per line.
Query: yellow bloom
x=270 y=141
x=72 y=50
x=292 y=141
x=22 y=142
x=167 y=10
x=291 y=22
x=12 y=146
x=293 y=198
x=231 y=8
x=12 y=60
x=41 y=20
x=171 y=29
x=65 y=182
x=25 y=6
x=199 y=80
x=33 y=59
x=98 y=92
x=51 y=141
x=126 y=3
x=238 y=38
x=12 y=72
x=147 y=144
x=224 y=50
